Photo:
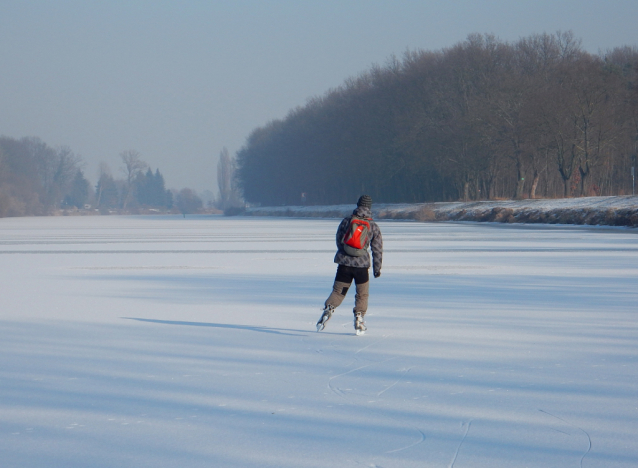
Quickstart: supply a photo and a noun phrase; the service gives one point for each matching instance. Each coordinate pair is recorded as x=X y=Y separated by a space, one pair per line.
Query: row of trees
x=140 y=187
x=36 y=179
x=482 y=119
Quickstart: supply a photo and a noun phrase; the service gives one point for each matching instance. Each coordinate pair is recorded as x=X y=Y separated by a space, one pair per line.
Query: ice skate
x=327 y=313
x=359 y=325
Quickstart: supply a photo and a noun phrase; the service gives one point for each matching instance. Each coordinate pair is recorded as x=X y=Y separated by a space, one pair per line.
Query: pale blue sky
x=177 y=81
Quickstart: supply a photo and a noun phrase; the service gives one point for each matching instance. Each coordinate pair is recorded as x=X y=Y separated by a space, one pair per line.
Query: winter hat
x=365 y=201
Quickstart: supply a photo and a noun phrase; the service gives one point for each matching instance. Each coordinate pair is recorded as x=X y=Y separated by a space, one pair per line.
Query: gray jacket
x=376 y=244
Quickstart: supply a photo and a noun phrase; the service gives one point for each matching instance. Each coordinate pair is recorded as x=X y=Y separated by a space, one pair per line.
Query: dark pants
x=343 y=280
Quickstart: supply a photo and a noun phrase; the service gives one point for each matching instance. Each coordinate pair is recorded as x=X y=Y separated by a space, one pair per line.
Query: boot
x=359 y=325
x=327 y=313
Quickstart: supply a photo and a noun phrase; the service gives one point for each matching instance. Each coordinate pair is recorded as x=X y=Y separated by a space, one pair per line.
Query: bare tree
x=227 y=181
x=104 y=171
x=133 y=167
x=224 y=178
x=187 y=201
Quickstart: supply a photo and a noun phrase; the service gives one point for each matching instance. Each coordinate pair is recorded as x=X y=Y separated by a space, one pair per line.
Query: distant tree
x=79 y=193
x=208 y=198
x=150 y=189
x=35 y=177
x=106 y=192
x=66 y=165
x=170 y=199
x=133 y=166
x=224 y=178
x=188 y=202
x=143 y=188
x=159 y=191
x=227 y=181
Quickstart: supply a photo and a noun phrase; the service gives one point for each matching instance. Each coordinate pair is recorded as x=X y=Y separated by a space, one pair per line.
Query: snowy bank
x=607 y=211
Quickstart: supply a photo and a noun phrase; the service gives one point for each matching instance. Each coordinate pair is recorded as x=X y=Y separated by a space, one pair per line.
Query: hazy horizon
x=178 y=82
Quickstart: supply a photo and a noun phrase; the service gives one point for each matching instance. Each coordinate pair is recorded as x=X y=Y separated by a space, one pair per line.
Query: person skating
x=355 y=234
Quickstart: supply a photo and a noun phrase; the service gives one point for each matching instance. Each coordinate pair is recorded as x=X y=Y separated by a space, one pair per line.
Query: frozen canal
x=171 y=342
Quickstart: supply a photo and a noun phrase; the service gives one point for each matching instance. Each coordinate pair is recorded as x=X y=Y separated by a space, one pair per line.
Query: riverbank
x=603 y=211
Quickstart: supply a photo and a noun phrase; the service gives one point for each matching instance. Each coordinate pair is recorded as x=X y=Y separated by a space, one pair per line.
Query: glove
x=377 y=274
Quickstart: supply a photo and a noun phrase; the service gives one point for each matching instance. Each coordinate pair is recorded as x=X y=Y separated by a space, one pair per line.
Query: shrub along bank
x=603 y=211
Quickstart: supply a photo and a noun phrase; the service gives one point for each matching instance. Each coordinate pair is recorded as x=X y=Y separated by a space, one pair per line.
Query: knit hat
x=365 y=201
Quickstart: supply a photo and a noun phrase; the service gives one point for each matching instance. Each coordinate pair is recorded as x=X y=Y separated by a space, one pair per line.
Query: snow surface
x=171 y=342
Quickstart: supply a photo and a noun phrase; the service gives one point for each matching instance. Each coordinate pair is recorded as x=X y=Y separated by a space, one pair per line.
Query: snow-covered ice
x=171 y=342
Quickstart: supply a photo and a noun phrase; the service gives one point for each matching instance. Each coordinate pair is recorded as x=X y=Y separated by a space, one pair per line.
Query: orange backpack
x=357 y=238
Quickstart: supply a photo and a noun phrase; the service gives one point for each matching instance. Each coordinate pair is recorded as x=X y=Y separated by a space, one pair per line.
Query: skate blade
x=360 y=332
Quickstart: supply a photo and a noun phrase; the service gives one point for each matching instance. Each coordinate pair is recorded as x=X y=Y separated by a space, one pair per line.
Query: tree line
x=36 y=179
x=484 y=119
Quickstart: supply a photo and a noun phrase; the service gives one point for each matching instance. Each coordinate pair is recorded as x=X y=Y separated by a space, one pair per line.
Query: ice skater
x=355 y=234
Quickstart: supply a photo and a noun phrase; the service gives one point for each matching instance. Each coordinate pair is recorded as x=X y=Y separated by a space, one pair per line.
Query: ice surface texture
x=171 y=342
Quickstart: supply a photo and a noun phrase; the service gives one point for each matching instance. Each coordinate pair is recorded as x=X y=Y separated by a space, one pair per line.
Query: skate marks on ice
x=345 y=392
x=574 y=426
x=458 y=449
x=338 y=391
x=367 y=400
x=373 y=343
x=404 y=372
x=371 y=380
